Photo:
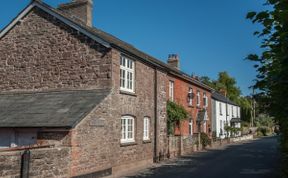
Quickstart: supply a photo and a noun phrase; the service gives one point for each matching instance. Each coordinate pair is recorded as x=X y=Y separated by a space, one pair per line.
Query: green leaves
x=250 y=15
x=272 y=65
x=175 y=113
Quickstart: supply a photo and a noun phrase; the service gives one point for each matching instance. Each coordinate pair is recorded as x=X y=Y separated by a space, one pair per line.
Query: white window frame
x=191 y=126
x=206 y=100
x=127 y=133
x=146 y=128
x=220 y=108
x=127 y=74
x=233 y=111
x=205 y=127
x=171 y=90
x=228 y=110
x=190 y=100
x=238 y=112
x=198 y=99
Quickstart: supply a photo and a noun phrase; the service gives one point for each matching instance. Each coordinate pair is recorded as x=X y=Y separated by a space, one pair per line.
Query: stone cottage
x=82 y=101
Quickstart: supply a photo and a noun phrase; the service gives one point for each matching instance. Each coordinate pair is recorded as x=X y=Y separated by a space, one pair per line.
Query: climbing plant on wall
x=175 y=113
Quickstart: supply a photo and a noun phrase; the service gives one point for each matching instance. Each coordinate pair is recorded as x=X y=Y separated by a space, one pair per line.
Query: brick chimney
x=80 y=9
x=174 y=61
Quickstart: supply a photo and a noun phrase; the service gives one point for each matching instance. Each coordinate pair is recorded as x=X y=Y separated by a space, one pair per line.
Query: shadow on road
x=255 y=159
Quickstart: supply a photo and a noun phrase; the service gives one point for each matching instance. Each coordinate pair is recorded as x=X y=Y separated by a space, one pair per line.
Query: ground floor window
x=146 y=129
x=191 y=127
x=204 y=127
x=127 y=129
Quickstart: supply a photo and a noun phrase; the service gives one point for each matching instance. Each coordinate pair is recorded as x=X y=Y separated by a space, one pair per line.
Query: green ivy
x=176 y=113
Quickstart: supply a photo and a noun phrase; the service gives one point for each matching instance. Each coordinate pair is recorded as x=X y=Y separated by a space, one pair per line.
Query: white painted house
x=224 y=112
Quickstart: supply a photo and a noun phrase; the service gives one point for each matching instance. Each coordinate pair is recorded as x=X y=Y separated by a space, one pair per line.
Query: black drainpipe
x=155 y=115
x=25 y=161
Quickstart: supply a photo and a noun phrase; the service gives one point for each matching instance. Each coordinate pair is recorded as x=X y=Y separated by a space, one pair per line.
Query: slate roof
x=219 y=97
x=62 y=109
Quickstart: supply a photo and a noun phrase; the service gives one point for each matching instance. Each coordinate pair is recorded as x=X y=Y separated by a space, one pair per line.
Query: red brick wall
x=181 y=89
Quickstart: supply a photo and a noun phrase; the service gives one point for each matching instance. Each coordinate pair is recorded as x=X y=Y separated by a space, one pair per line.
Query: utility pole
x=253 y=106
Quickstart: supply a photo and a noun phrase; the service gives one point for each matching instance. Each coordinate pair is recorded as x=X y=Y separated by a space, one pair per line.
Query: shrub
x=205 y=140
x=263 y=131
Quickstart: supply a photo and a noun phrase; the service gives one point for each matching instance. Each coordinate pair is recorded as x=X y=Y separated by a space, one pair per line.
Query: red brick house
x=194 y=96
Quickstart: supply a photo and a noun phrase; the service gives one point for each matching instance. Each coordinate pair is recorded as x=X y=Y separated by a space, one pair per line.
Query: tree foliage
x=175 y=113
x=224 y=83
x=272 y=65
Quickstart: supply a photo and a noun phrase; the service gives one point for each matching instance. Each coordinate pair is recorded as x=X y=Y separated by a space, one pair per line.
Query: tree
x=224 y=83
x=272 y=65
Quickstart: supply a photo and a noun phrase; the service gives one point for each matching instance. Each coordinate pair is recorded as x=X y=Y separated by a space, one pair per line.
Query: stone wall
x=162 y=136
x=48 y=162
x=42 y=53
x=181 y=145
x=98 y=148
x=56 y=138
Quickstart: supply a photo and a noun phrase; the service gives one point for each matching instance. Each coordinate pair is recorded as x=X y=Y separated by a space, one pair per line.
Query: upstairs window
x=190 y=97
x=127 y=74
x=205 y=100
x=127 y=129
x=228 y=110
x=220 y=108
x=232 y=111
x=171 y=90
x=238 y=112
x=198 y=98
x=146 y=128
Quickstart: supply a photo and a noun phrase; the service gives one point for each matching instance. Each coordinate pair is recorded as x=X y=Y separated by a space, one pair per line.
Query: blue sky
x=209 y=36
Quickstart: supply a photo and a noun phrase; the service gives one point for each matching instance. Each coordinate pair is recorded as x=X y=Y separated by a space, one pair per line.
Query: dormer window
x=127 y=74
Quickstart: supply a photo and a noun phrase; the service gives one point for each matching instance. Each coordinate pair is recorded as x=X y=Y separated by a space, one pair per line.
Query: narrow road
x=256 y=159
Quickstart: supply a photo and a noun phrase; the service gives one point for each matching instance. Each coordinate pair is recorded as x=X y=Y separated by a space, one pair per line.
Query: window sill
x=128 y=93
x=190 y=106
x=127 y=144
x=146 y=141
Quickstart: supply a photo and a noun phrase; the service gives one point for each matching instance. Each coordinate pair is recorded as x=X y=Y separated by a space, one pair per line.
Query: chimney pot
x=174 y=61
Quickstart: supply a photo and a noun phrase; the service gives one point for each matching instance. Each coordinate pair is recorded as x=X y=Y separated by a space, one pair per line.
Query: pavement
x=254 y=159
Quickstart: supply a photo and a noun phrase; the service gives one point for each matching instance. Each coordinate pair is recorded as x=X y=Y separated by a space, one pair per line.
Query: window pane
x=127 y=74
x=146 y=129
